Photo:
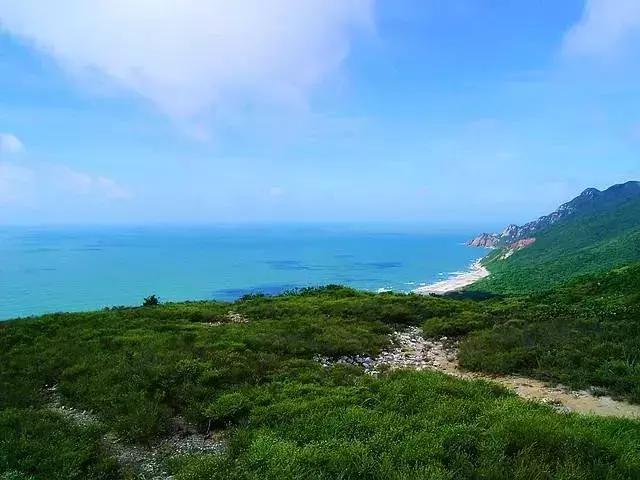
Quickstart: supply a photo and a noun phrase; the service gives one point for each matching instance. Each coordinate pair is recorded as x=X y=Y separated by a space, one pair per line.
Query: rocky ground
x=411 y=350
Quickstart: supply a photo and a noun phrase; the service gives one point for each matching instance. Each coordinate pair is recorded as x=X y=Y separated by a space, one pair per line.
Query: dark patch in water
x=38 y=270
x=380 y=265
x=288 y=265
x=294 y=265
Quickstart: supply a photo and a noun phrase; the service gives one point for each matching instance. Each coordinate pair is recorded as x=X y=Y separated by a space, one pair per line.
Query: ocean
x=73 y=269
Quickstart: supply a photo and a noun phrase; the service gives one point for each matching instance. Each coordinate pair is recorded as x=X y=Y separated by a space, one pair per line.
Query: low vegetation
x=247 y=368
x=586 y=334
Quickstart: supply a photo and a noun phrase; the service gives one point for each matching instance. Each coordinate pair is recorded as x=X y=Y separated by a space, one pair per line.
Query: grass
x=39 y=444
x=286 y=416
x=584 y=334
x=417 y=426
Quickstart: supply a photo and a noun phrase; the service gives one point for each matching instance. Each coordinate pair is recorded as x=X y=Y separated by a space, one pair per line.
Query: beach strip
x=455 y=283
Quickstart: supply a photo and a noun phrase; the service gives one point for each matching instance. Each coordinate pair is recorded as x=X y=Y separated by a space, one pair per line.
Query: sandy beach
x=456 y=282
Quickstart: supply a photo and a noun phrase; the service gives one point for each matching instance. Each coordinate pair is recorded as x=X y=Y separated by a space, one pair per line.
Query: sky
x=439 y=112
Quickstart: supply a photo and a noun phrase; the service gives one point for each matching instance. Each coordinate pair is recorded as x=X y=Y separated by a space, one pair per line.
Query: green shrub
x=41 y=445
x=151 y=301
x=227 y=408
x=139 y=368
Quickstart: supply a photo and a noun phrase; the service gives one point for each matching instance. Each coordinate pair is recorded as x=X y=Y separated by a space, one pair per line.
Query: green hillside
x=585 y=334
x=594 y=241
x=247 y=371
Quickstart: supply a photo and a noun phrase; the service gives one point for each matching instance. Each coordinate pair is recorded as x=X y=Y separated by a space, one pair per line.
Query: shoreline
x=457 y=282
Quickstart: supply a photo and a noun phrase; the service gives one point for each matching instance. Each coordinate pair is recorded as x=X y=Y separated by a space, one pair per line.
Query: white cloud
x=191 y=57
x=10 y=143
x=69 y=180
x=73 y=181
x=46 y=185
x=605 y=26
x=111 y=189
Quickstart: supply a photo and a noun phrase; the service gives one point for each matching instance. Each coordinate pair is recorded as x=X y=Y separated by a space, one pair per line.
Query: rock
x=590 y=198
x=485 y=240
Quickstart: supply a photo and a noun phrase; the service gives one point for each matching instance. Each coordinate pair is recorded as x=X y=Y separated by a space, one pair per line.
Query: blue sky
x=450 y=113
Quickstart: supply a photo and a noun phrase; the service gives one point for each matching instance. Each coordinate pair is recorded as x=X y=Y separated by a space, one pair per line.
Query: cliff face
x=486 y=240
x=517 y=237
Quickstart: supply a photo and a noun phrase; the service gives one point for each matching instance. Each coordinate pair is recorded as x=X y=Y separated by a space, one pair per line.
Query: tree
x=151 y=301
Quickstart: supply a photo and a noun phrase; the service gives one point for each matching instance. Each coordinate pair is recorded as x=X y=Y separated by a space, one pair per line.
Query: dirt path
x=411 y=350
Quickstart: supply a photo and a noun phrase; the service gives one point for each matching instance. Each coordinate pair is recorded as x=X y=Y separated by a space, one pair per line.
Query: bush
x=39 y=445
x=227 y=408
x=151 y=301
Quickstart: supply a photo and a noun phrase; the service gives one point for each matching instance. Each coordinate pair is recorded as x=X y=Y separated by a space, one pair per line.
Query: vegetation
x=416 y=426
x=39 y=444
x=248 y=368
x=584 y=334
x=593 y=242
x=151 y=301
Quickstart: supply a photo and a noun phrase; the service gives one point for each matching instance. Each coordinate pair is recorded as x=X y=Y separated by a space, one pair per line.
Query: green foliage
x=594 y=242
x=456 y=325
x=227 y=408
x=41 y=445
x=287 y=417
x=417 y=426
x=151 y=301
x=584 y=334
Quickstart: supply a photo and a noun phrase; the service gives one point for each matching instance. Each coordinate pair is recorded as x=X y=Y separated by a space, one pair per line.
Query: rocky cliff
x=588 y=201
x=486 y=240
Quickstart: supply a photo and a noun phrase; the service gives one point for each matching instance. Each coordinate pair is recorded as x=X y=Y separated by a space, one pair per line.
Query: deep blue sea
x=70 y=269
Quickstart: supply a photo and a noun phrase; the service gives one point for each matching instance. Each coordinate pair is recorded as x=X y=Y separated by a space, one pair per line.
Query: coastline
x=457 y=282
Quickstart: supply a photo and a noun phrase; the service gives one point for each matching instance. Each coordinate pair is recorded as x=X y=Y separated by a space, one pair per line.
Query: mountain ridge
x=590 y=200
x=595 y=232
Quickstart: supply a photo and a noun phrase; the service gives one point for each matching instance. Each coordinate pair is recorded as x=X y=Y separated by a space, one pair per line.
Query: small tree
x=151 y=301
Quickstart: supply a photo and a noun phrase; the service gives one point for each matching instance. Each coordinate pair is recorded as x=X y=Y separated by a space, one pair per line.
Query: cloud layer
x=10 y=143
x=606 y=25
x=190 y=57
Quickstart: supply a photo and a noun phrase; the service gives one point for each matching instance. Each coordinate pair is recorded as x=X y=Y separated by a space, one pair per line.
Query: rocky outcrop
x=523 y=243
x=518 y=245
x=486 y=240
x=409 y=350
x=515 y=237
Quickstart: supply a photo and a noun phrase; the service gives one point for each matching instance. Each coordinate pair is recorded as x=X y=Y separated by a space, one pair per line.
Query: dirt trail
x=411 y=350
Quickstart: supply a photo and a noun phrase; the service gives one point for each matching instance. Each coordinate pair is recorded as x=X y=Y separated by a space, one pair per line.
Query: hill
x=589 y=201
x=79 y=390
x=595 y=232
x=585 y=334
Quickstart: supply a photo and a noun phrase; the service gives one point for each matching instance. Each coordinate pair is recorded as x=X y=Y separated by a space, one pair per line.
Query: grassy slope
x=585 y=333
x=590 y=243
x=287 y=416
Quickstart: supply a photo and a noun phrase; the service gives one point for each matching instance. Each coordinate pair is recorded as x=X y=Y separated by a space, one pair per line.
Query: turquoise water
x=70 y=269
